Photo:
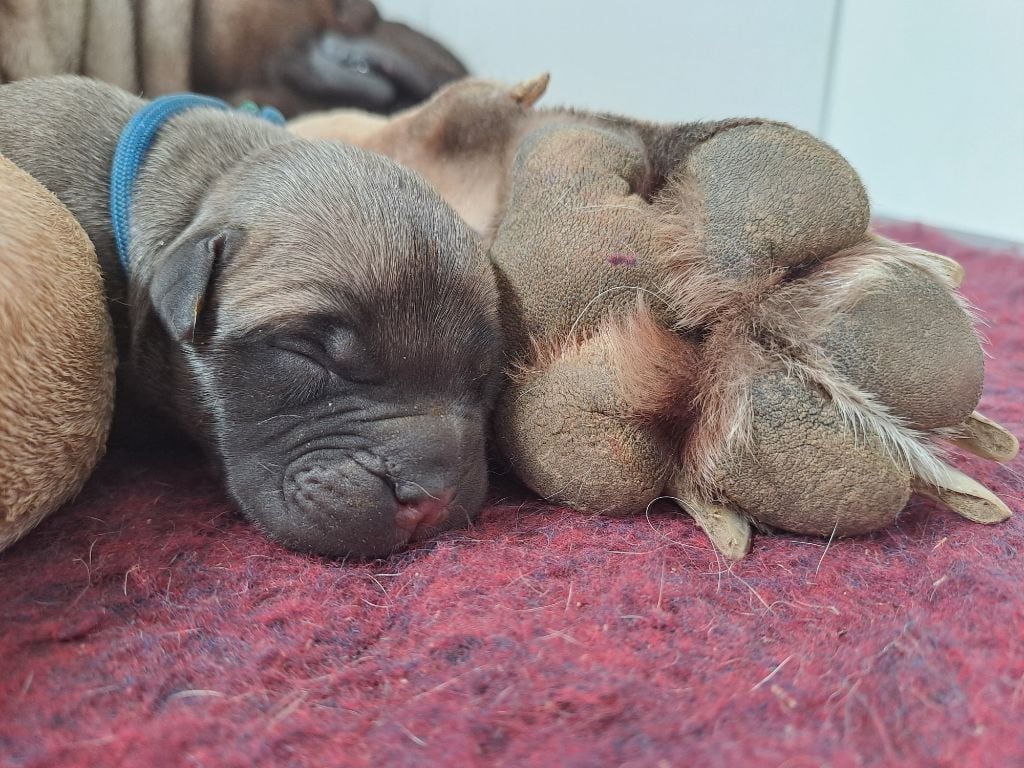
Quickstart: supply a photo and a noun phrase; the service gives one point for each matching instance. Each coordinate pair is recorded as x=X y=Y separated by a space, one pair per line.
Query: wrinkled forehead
x=336 y=231
x=272 y=278
x=397 y=286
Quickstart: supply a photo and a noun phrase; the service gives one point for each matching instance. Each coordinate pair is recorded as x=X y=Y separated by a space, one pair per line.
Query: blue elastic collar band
x=136 y=139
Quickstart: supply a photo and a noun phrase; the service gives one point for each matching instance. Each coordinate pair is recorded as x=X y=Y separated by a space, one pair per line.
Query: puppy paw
x=765 y=196
x=828 y=401
x=570 y=426
x=788 y=370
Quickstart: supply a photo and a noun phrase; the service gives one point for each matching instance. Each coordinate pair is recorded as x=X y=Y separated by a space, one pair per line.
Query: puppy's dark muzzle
x=427 y=476
x=335 y=507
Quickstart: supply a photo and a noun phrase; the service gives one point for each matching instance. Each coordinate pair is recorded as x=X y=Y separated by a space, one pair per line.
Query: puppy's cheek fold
x=334 y=506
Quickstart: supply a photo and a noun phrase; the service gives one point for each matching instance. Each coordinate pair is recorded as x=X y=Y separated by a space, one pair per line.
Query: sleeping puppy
x=297 y=55
x=312 y=313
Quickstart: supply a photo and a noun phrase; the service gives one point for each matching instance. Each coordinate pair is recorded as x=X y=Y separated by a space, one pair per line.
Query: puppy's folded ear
x=184 y=279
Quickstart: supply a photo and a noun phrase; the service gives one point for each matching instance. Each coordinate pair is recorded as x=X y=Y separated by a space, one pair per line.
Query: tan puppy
x=461 y=141
x=56 y=355
x=297 y=55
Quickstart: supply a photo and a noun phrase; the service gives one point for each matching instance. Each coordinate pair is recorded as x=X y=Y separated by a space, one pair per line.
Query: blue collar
x=137 y=138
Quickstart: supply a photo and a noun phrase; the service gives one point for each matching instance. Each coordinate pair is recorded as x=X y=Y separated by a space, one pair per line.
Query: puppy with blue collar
x=314 y=315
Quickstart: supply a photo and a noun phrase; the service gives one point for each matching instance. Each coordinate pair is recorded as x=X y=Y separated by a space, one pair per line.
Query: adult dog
x=314 y=314
x=297 y=55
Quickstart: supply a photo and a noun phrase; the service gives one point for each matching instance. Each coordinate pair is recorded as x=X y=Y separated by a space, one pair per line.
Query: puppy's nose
x=420 y=508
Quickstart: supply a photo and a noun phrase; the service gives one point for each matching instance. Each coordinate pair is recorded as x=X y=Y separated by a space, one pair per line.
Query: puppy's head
x=337 y=324
x=303 y=55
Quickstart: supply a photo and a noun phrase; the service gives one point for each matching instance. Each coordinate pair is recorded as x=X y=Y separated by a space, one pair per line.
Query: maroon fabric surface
x=147 y=626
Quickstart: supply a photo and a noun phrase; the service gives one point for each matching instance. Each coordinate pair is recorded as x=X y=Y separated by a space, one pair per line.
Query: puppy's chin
x=331 y=503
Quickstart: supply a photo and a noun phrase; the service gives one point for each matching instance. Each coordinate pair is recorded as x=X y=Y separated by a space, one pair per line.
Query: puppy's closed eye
x=339 y=353
x=309 y=349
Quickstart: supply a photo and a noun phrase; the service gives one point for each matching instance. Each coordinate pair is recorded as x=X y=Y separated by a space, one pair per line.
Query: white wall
x=658 y=60
x=929 y=106
x=926 y=97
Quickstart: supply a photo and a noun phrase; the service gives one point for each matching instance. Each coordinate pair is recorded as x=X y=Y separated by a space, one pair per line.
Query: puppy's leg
x=40 y=37
x=110 y=44
x=165 y=45
x=584 y=423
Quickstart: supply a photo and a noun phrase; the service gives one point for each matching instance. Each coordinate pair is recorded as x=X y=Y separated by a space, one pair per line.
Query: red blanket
x=146 y=625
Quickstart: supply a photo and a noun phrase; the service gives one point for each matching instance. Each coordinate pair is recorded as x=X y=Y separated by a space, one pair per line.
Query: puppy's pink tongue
x=424 y=511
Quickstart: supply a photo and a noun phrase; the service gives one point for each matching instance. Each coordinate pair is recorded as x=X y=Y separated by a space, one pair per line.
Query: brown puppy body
x=292 y=305
x=56 y=355
x=294 y=54
x=698 y=311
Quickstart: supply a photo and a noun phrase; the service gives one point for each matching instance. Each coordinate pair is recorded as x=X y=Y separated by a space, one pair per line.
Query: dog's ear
x=528 y=92
x=183 y=279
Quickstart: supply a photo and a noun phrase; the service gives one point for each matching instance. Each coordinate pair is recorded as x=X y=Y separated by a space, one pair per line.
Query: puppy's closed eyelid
x=318 y=350
x=303 y=347
x=339 y=353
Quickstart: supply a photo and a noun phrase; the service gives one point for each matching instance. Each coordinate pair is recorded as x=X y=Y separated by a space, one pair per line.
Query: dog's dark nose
x=420 y=509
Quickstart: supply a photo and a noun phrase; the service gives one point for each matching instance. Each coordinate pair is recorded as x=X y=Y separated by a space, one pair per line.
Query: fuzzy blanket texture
x=146 y=625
